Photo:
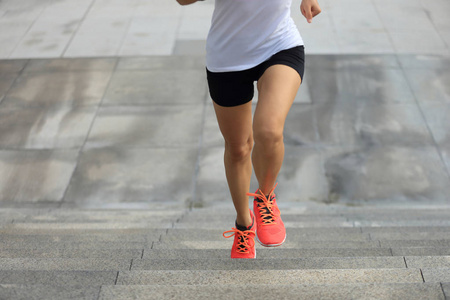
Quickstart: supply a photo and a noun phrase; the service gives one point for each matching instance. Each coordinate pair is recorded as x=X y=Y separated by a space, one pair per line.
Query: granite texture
x=274 y=277
x=298 y=291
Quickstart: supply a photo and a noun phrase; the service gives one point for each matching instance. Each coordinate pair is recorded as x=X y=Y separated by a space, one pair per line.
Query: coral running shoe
x=270 y=228
x=244 y=241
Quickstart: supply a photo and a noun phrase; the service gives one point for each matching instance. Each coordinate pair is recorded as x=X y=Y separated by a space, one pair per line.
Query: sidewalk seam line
x=80 y=150
x=99 y=292
x=78 y=28
x=421 y=274
x=117 y=277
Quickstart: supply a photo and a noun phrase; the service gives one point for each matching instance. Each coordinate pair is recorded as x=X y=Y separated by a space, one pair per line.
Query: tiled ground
x=105 y=103
x=109 y=28
x=135 y=131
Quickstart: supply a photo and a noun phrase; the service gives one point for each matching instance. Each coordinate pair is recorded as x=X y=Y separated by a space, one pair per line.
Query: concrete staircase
x=331 y=252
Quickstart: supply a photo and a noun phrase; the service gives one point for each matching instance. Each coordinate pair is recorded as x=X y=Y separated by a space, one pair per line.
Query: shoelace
x=244 y=238
x=265 y=207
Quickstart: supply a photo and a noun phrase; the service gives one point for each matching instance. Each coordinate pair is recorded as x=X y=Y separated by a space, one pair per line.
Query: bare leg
x=277 y=88
x=235 y=123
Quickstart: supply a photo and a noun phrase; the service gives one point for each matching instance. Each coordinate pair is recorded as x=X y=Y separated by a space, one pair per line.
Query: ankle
x=244 y=221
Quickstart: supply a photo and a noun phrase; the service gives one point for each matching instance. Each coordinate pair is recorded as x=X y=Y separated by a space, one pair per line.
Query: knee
x=267 y=135
x=238 y=152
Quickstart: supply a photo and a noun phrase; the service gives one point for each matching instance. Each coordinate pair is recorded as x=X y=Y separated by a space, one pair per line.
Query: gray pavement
x=111 y=163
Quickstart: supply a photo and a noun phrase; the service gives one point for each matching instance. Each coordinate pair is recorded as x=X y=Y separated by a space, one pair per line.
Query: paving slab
x=436 y=274
x=32 y=252
x=44 y=128
x=116 y=175
x=265 y=253
x=57 y=89
x=118 y=253
x=156 y=62
x=35 y=175
x=87 y=226
x=270 y=264
x=446 y=288
x=71 y=64
x=34 y=292
x=146 y=87
x=13 y=66
x=417 y=61
x=17 y=239
x=58 y=278
x=145 y=230
x=415 y=243
x=420 y=251
x=380 y=291
x=78 y=245
x=309 y=276
x=422 y=235
x=71 y=253
x=144 y=127
x=64 y=264
x=427 y=261
x=6 y=82
x=410 y=230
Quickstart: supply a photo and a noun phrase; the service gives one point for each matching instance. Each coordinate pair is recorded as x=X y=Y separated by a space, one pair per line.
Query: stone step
x=326 y=223
x=404 y=229
x=436 y=274
x=424 y=235
x=82 y=231
x=291 y=216
x=226 y=225
x=420 y=251
x=80 y=238
x=275 y=264
x=310 y=208
x=98 y=218
x=307 y=276
x=414 y=243
x=402 y=223
x=298 y=234
x=85 y=226
x=71 y=253
x=366 y=262
x=48 y=292
x=64 y=264
x=380 y=291
x=79 y=245
x=265 y=253
x=222 y=243
x=286 y=218
x=427 y=261
x=58 y=278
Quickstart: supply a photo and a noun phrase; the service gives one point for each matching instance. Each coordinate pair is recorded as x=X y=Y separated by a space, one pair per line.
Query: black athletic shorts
x=236 y=88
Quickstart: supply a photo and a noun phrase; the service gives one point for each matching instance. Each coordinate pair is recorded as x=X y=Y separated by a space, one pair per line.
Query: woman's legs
x=277 y=88
x=235 y=123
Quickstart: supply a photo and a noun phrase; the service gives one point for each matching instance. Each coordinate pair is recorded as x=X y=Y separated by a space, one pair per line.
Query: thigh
x=235 y=123
x=277 y=88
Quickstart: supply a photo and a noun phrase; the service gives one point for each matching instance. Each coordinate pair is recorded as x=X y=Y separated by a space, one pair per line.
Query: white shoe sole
x=270 y=245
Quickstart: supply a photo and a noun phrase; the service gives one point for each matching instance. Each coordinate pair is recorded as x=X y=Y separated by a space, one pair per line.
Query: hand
x=310 y=9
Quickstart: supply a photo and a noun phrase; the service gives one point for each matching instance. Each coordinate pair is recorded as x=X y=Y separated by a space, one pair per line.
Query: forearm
x=186 y=2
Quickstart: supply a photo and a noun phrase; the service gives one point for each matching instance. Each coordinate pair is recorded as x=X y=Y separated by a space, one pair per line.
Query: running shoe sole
x=270 y=245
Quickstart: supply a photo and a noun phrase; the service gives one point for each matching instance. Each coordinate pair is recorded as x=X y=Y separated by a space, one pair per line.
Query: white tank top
x=245 y=33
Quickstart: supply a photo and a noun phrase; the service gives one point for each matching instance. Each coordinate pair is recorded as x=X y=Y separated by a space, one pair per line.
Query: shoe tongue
x=266 y=210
